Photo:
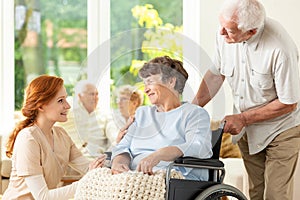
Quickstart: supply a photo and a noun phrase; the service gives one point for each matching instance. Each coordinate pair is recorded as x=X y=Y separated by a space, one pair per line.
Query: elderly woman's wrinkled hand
x=146 y=165
x=119 y=168
x=98 y=162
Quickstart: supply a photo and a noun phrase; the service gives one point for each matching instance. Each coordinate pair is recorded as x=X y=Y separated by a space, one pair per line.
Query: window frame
x=7 y=79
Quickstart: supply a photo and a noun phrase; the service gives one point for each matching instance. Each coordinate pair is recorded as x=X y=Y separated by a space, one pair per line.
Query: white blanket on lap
x=100 y=184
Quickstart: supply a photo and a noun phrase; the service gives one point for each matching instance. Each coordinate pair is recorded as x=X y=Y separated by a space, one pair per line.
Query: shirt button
x=241 y=97
x=243 y=80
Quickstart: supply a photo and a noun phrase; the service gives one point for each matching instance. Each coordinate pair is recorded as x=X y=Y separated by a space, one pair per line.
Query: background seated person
x=168 y=129
x=86 y=125
x=129 y=98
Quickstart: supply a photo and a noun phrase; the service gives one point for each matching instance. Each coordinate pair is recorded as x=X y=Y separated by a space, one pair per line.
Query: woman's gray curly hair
x=168 y=68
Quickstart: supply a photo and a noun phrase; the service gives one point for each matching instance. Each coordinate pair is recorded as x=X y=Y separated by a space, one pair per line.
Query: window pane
x=50 y=38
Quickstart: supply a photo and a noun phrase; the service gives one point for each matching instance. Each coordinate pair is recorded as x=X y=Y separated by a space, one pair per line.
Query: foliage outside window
x=50 y=38
x=61 y=42
x=158 y=39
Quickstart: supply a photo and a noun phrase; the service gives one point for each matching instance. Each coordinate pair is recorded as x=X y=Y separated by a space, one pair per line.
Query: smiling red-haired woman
x=40 y=151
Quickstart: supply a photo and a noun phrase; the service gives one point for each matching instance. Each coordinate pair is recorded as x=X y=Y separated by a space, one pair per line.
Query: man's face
x=231 y=33
x=89 y=97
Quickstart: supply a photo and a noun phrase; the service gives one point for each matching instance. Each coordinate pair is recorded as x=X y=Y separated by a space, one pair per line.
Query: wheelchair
x=214 y=188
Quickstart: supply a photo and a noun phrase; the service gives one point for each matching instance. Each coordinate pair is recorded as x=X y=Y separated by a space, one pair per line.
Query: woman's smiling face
x=156 y=90
x=56 y=110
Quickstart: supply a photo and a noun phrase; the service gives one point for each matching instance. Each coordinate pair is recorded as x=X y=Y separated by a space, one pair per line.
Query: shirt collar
x=83 y=109
x=254 y=40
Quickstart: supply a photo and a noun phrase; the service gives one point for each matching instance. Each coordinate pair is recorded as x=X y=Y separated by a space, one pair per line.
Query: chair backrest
x=216 y=141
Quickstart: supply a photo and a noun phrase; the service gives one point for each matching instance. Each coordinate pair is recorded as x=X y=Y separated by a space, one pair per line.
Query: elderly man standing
x=86 y=125
x=260 y=61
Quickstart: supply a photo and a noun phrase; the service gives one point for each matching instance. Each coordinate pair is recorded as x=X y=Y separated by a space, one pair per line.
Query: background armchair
x=5 y=168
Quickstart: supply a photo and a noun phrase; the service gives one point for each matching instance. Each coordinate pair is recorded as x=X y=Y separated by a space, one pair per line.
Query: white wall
x=287 y=13
x=6 y=69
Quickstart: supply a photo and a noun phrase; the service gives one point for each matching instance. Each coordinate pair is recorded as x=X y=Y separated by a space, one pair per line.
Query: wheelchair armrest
x=198 y=161
x=108 y=154
x=215 y=167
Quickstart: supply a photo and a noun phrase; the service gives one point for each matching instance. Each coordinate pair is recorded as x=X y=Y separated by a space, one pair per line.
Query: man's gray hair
x=248 y=14
x=81 y=86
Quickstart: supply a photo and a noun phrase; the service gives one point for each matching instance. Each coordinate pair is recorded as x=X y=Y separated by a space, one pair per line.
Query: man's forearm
x=272 y=110
x=235 y=123
x=202 y=97
x=209 y=87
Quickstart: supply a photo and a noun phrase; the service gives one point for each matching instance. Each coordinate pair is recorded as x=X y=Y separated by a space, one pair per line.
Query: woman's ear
x=79 y=96
x=172 y=82
x=41 y=109
x=136 y=104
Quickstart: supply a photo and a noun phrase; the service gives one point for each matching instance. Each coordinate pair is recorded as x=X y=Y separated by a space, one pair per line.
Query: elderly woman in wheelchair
x=167 y=131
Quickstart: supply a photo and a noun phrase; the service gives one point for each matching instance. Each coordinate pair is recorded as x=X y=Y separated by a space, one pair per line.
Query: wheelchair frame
x=181 y=189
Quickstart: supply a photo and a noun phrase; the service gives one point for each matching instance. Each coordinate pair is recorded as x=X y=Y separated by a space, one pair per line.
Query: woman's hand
x=146 y=165
x=120 y=164
x=168 y=154
x=123 y=130
x=119 y=168
x=98 y=162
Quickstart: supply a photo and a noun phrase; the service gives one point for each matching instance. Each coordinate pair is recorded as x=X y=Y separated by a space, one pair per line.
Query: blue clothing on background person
x=186 y=127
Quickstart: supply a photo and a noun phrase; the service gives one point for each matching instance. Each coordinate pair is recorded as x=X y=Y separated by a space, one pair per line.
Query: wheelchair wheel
x=221 y=192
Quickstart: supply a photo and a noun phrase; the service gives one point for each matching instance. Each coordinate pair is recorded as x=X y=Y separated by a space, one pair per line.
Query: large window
x=87 y=39
x=82 y=39
x=50 y=38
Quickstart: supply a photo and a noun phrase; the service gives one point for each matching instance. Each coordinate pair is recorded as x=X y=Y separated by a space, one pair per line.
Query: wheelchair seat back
x=178 y=189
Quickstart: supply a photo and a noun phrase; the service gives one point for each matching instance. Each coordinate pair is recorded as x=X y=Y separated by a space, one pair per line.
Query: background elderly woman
x=168 y=129
x=129 y=98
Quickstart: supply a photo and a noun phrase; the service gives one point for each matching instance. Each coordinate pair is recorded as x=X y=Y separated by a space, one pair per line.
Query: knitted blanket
x=100 y=184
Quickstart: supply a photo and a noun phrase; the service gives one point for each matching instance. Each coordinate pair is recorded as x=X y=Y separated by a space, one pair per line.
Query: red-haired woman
x=40 y=151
